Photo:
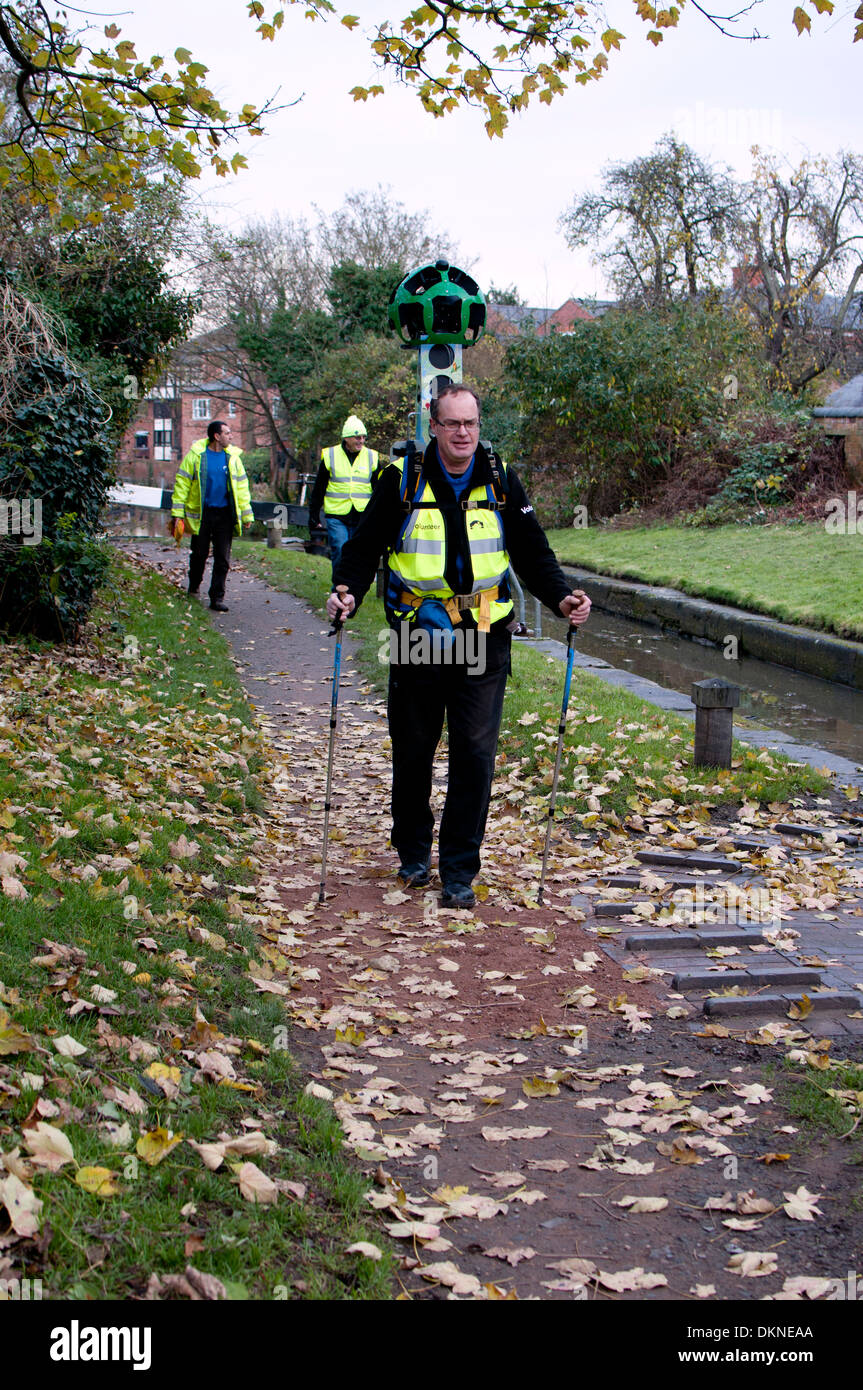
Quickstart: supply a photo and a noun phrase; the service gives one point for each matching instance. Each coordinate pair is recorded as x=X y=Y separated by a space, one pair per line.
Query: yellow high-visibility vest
x=350 y=482
x=190 y=485
x=418 y=562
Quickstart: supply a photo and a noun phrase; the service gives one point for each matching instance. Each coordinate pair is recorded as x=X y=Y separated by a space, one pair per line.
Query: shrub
x=55 y=456
x=607 y=408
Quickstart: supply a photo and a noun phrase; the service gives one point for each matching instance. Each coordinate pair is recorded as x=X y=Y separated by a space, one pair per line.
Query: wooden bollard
x=274 y=535
x=715 y=701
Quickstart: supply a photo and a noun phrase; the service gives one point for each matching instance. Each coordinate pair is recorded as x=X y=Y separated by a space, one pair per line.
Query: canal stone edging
x=768 y=639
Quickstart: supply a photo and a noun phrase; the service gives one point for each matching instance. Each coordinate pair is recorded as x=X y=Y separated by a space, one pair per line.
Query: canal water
x=808 y=709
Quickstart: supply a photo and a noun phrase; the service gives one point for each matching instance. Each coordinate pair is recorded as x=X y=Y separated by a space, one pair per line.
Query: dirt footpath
x=538 y=1119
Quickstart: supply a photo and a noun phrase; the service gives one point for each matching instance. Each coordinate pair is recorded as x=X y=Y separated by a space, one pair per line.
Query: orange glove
x=177 y=528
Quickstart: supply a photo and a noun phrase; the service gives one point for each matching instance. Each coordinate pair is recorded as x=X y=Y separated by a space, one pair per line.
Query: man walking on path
x=346 y=476
x=450 y=529
x=211 y=497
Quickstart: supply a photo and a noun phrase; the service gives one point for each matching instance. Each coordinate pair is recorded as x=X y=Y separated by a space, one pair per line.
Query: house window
x=232 y=409
x=142 y=439
x=201 y=408
x=163 y=438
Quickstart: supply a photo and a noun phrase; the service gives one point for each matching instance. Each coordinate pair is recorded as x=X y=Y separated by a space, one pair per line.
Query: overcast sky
x=500 y=200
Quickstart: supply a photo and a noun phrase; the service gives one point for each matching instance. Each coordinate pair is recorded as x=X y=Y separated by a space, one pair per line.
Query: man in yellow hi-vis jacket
x=346 y=476
x=211 y=497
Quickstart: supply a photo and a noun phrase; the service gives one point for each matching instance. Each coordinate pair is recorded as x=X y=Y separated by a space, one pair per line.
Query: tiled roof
x=846 y=397
x=824 y=311
x=230 y=383
x=522 y=318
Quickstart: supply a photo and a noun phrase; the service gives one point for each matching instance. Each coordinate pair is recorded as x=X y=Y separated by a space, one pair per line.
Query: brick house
x=198 y=387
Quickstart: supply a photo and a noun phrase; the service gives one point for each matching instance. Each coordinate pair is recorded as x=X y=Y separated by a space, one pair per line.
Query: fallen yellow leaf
x=156 y=1144
x=100 y=1181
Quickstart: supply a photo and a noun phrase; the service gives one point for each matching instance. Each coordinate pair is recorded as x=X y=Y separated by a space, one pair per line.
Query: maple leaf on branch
x=84 y=115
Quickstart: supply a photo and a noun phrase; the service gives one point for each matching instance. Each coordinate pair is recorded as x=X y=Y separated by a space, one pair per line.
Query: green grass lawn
x=825 y=1097
x=131 y=778
x=801 y=574
x=622 y=755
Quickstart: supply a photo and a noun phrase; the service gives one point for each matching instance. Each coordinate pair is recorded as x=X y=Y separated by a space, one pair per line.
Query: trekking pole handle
x=338 y=620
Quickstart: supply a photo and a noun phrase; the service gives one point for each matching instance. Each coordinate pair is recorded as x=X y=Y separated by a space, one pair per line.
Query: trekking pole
x=570 y=648
x=337 y=628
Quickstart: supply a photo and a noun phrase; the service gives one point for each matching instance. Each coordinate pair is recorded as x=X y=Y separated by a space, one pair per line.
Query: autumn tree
x=359 y=297
x=85 y=108
x=800 y=252
x=500 y=56
x=509 y=295
x=664 y=222
x=83 y=111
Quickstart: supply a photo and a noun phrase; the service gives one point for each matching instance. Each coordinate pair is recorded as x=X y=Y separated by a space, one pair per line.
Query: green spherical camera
x=438 y=304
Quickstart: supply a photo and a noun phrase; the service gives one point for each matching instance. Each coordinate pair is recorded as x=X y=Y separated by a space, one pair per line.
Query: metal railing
x=519 y=599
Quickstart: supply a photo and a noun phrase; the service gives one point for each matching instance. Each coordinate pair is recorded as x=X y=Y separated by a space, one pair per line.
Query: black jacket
x=529 y=552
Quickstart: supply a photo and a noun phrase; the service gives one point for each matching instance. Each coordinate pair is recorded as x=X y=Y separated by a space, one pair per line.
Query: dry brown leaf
x=626 y=1280
x=445 y=1272
x=643 y=1204
x=800 y=1205
x=807 y=1286
x=101 y=1182
x=753 y=1264
x=501 y=1135
x=255 y=1186
x=48 y=1146
x=22 y=1205
x=513 y=1254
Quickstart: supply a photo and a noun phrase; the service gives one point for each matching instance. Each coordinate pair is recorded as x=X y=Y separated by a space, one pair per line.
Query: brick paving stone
x=769 y=975
x=694 y=940
x=677 y=860
x=777 y=1004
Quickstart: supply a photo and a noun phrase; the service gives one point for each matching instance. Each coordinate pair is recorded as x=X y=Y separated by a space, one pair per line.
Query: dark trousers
x=419 y=698
x=217 y=529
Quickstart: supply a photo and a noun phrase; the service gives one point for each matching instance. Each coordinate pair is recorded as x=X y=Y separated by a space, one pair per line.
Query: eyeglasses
x=454 y=425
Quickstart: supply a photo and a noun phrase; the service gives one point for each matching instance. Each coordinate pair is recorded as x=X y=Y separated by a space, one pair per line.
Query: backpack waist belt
x=457 y=603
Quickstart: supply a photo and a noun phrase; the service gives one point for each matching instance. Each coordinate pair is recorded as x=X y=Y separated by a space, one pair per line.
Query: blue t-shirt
x=216 y=492
x=459 y=485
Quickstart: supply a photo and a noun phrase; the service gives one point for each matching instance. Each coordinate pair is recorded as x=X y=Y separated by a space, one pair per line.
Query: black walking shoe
x=413 y=875
x=220 y=607
x=457 y=895
x=193 y=593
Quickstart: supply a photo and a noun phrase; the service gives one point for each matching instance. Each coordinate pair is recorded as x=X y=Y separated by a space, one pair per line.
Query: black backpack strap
x=413 y=469
x=498 y=475
x=413 y=462
x=411 y=472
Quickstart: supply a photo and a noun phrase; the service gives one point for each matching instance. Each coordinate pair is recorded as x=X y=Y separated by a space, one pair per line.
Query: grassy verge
x=130 y=780
x=622 y=756
x=825 y=1098
x=749 y=566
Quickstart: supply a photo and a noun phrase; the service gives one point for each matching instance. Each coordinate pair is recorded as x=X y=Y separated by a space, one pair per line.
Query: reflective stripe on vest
x=350 y=482
x=418 y=560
